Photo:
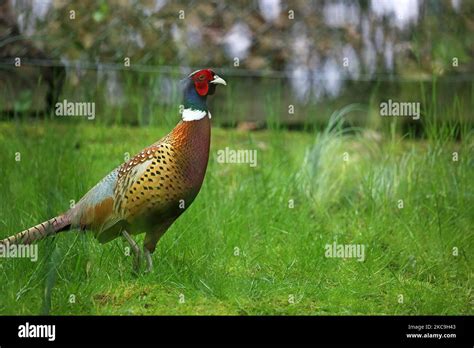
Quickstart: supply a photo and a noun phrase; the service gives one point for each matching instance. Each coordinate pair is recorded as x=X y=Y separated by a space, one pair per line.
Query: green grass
x=240 y=248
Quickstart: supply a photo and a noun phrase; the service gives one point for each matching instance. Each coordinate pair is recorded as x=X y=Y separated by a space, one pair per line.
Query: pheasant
x=151 y=190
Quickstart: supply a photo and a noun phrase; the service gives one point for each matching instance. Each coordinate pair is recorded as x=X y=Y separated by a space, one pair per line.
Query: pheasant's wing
x=149 y=182
x=98 y=209
x=95 y=210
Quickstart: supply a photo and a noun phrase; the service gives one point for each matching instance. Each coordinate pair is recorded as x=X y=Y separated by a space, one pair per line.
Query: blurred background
x=289 y=63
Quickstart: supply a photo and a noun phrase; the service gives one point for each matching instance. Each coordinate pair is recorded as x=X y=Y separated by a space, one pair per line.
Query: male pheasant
x=151 y=190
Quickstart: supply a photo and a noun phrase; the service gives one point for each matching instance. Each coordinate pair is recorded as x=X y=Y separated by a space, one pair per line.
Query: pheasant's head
x=205 y=81
x=198 y=86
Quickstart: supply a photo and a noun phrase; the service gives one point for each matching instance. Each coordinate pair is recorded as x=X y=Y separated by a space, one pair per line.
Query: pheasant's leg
x=136 y=251
x=149 y=244
x=149 y=260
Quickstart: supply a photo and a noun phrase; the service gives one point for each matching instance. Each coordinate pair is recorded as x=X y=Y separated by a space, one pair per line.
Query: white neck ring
x=194 y=115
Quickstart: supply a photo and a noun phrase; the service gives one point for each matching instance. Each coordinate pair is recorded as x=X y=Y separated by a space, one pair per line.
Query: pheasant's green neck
x=195 y=106
x=192 y=100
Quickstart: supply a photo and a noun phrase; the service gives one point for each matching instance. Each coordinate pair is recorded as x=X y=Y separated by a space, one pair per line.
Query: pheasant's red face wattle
x=201 y=80
x=202 y=88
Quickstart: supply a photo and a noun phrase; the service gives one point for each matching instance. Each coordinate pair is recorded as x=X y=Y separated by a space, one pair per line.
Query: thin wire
x=235 y=71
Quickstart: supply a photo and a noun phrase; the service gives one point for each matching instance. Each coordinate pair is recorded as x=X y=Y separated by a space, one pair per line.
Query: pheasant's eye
x=201 y=77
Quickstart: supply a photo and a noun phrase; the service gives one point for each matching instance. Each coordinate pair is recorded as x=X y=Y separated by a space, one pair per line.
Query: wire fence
x=259 y=38
x=333 y=51
x=75 y=65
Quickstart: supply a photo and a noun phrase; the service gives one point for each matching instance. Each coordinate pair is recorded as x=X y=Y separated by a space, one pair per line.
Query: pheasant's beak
x=218 y=81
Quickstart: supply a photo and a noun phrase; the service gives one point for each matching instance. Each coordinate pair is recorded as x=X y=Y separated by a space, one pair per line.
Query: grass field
x=253 y=242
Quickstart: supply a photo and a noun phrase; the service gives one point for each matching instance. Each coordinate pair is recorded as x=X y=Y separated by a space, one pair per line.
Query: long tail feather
x=38 y=232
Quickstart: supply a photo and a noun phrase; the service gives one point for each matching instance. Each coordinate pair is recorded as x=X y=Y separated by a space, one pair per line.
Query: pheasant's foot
x=149 y=260
x=136 y=250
